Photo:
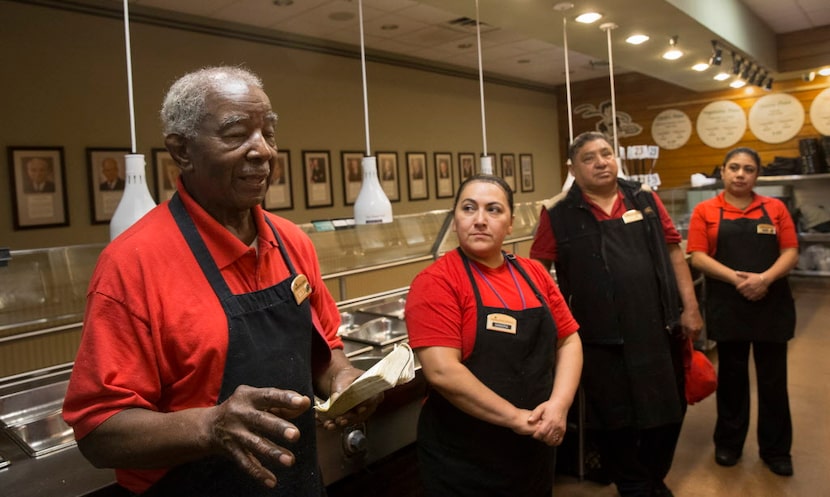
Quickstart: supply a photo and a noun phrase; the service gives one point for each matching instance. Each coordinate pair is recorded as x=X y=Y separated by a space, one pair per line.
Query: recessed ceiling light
x=636 y=39
x=721 y=76
x=737 y=83
x=672 y=54
x=824 y=72
x=700 y=66
x=588 y=17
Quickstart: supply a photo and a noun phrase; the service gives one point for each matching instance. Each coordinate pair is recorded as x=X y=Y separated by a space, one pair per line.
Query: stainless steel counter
x=64 y=472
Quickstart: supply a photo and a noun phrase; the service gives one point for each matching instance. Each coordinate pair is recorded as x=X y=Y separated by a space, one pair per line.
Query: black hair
x=488 y=178
x=743 y=150
x=582 y=139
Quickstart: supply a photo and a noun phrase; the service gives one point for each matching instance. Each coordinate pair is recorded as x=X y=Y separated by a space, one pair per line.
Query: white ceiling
x=522 y=40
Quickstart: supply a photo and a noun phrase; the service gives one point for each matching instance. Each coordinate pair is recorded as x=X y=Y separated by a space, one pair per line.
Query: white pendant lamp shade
x=372 y=205
x=136 y=200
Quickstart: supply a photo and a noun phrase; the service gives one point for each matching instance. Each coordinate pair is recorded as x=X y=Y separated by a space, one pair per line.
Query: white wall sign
x=721 y=124
x=671 y=129
x=820 y=112
x=776 y=118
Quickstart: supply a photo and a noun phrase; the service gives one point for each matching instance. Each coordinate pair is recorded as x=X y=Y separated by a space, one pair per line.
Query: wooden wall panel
x=643 y=98
x=804 y=50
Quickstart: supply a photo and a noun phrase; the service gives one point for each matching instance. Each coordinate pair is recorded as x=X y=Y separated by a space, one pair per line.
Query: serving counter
x=367 y=268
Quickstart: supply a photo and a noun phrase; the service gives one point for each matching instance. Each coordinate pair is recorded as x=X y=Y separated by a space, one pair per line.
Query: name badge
x=766 y=229
x=501 y=323
x=301 y=288
x=632 y=216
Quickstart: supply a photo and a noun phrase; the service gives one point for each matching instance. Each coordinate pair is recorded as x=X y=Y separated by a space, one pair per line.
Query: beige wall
x=65 y=85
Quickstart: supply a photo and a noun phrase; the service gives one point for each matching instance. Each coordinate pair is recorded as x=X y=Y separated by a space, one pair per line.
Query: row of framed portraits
x=39 y=199
x=446 y=172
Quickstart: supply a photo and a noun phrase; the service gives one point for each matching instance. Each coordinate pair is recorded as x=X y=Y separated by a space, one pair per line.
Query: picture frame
x=280 y=195
x=352 y=164
x=106 y=169
x=317 y=178
x=466 y=165
x=167 y=174
x=526 y=171
x=388 y=174
x=416 y=173
x=44 y=204
x=508 y=169
x=444 y=186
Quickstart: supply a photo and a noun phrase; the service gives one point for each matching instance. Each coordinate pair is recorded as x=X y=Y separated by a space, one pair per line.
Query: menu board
x=776 y=118
x=820 y=112
x=671 y=129
x=721 y=124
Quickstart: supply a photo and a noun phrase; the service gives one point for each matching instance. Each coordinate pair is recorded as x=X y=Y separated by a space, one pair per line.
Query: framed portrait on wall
x=388 y=175
x=508 y=169
x=317 y=178
x=416 y=172
x=526 y=171
x=38 y=185
x=466 y=165
x=106 y=168
x=352 y=175
x=167 y=173
x=443 y=175
x=280 y=195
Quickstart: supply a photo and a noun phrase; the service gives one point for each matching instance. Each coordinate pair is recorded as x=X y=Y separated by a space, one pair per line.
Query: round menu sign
x=820 y=112
x=671 y=129
x=776 y=118
x=721 y=124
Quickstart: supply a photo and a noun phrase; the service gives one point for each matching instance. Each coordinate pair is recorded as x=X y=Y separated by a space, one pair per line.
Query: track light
x=673 y=53
x=717 y=54
x=737 y=63
x=768 y=86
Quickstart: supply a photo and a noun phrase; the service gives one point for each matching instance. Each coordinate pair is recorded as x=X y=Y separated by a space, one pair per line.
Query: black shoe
x=783 y=467
x=726 y=457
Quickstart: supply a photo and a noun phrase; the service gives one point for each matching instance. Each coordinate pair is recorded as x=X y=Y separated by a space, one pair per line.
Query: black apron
x=730 y=316
x=464 y=456
x=639 y=383
x=269 y=345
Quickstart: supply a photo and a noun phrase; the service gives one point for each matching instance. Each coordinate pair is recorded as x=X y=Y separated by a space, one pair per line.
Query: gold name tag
x=501 y=323
x=632 y=216
x=766 y=229
x=301 y=288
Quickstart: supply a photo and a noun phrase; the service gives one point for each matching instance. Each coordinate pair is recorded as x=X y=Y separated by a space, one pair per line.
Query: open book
x=397 y=368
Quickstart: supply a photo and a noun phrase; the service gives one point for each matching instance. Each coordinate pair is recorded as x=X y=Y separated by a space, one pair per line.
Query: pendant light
x=608 y=27
x=371 y=205
x=562 y=7
x=136 y=200
x=486 y=160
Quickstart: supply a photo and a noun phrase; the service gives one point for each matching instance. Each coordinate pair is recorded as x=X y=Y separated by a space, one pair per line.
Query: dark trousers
x=775 y=429
x=637 y=460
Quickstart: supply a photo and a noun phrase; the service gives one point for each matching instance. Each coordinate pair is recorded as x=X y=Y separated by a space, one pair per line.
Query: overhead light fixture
x=824 y=71
x=717 y=54
x=700 y=66
x=737 y=63
x=768 y=86
x=737 y=83
x=588 y=17
x=673 y=53
x=637 y=39
x=721 y=76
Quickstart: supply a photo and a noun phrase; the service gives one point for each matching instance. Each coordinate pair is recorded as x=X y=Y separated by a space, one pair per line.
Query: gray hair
x=184 y=105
